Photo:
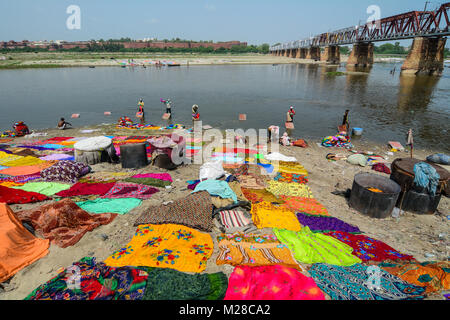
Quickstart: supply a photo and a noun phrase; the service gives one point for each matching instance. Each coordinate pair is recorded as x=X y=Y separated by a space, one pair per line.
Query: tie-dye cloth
x=169 y=284
x=291 y=178
x=435 y=276
x=130 y=190
x=369 y=249
x=307 y=206
x=271 y=283
x=89 y=280
x=254 y=250
x=326 y=224
x=359 y=282
x=268 y=215
x=165 y=246
x=309 y=247
x=289 y=189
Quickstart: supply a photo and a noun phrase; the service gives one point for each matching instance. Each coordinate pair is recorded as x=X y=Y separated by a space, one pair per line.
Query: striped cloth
x=233 y=219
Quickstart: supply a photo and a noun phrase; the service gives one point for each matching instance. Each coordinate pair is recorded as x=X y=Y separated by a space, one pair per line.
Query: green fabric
x=47 y=188
x=120 y=206
x=149 y=182
x=310 y=248
x=170 y=284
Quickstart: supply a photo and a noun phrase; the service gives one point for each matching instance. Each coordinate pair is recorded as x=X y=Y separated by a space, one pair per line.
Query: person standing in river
x=141 y=113
x=346 y=120
x=290 y=115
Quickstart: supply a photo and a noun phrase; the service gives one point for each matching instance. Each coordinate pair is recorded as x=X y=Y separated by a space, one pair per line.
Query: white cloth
x=279 y=157
x=211 y=170
x=92 y=144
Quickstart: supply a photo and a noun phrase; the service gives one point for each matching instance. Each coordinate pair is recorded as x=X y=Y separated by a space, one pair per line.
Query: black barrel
x=373 y=204
x=419 y=202
x=133 y=156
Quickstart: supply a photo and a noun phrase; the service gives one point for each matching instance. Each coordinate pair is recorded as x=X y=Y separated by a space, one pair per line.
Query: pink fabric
x=159 y=176
x=130 y=190
x=271 y=283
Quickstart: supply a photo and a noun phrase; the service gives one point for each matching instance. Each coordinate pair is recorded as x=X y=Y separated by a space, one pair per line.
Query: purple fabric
x=326 y=224
x=447 y=296
x=35 y=148
x=193 y=185
x=6 y=151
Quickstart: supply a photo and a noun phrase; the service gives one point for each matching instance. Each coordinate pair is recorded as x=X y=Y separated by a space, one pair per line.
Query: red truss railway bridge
x=429 y=29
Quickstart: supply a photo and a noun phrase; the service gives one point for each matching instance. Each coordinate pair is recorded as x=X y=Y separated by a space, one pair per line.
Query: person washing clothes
x=195 y=113
x=62 y=124
x=346 y=120
x=21 y=129
x=290 y=115
x=141 y=113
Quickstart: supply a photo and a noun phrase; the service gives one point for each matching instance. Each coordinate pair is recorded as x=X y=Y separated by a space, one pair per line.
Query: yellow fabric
x=289 y=189
x=10 y=184
x=290 y=167
x=5 y=157
x=268 y=215
x=165 y=246
x=23 y=161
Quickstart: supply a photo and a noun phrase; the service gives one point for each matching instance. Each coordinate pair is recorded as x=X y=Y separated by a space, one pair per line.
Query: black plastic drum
x=419 y=202
x=374 y=204
x=133 y=156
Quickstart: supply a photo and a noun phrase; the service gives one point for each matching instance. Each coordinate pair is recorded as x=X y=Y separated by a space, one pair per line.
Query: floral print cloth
x=89 y=280
x=67 y=171
x=291 y=178
x=254 y=250
x=354 y=283
x=165 y=246
x=289 y=189
x=268 y=215
x=271 y=283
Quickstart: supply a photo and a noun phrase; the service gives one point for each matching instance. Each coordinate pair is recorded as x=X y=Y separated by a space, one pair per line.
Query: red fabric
x=86 y=189
x=16 y=196
x=300 y=143
x=63 y=222
x=58 y=139
x=381 y=167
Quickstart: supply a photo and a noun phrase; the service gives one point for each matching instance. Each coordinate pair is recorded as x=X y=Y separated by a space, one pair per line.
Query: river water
x=384 y=105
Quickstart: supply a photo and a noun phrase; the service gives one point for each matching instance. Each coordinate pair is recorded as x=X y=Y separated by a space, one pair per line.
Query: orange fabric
x=305 y=205
x=26 y=170
x=18 y=247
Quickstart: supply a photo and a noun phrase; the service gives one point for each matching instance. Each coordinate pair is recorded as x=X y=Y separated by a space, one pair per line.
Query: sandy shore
x=417 y=235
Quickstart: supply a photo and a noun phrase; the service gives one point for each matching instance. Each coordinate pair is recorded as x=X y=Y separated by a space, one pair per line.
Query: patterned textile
x=23 y=161
x=340 y=141
x=271 y=283
x=63 y=222
x=289 y=189
x=86 y=189
x=21 y=179
x=169 y=284
x=267 y=215
x=234 y=220
x=67 y=171
x=255 y=196
x=368 y=249
x=326 y=224
x=165 y=246
x=14 y=196
x=236 y=169
x=291 y=178
x=18 y=247
x=130 y=190
x=290 y=167
x=435 y=276
x=194 y=211
x=96 y=282
x=352 y=283
x=309 y=247
x=307 y=206
x=251 y=182
x=254 y=250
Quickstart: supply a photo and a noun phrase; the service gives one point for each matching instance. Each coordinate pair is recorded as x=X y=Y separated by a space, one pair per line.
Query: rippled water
x=385 y=106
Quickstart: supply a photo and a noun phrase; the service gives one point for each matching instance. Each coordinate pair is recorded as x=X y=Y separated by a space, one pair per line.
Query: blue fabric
x=217 y=188
x=2 y=167
x=426 y=177
x=52 y=146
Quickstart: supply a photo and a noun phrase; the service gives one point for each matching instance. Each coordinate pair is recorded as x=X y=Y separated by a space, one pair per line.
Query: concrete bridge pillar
x=361 y=55
x=286 y=53
x=303 y=53
x=426 y=57
x=331 y=55
x=297 y=53
x=313 y=53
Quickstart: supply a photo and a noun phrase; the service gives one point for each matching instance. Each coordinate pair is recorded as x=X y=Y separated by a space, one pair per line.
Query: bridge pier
x=361 y=55
x=331 y=55
x=426 y=57
x=313 y=53
x=303 y=53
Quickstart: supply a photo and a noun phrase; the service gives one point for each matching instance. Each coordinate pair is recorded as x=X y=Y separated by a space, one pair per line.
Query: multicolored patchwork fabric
x=434 y=276
x=194 y=211
x=307 y=206
x=326 y=224
x=67 y=171
x=271 y=283
x=130 y=190
x=359 y=282
x=369 y=249
x=254 y=250
x=289 y=189
x=89 y=280
x=165 y=246
x=268 y=215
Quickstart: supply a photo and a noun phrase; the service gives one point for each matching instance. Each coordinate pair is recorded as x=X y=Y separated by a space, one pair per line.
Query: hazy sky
x=254 y=21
